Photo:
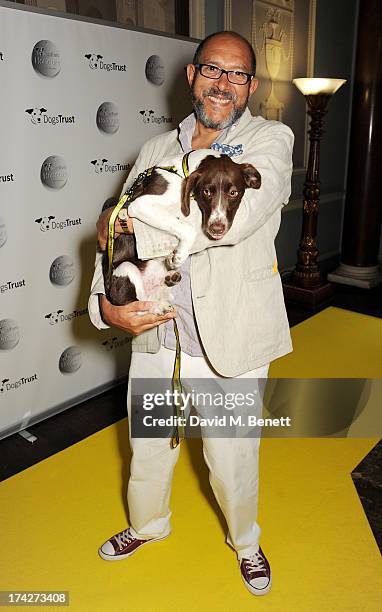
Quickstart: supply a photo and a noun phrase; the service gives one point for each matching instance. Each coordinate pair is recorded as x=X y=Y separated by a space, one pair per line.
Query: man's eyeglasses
x=234 y=76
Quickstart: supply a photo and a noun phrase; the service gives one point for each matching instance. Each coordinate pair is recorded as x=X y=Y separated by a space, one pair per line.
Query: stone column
x=363 y=205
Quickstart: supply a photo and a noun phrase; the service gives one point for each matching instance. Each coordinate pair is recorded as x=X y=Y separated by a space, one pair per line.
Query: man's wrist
x=125 y=221
x=105 y=309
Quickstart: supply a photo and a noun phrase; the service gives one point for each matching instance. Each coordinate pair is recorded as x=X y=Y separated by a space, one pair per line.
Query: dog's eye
x=233 y=193
x=206 y=192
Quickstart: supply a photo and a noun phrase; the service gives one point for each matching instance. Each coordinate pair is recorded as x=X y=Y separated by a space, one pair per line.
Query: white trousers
x=232 y=462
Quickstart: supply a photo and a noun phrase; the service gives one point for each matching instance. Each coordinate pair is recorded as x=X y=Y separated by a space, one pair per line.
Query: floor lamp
x=306 y=286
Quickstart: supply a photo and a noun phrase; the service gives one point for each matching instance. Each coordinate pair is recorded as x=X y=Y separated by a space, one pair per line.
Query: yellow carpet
x=314 y=531
x=334 y=343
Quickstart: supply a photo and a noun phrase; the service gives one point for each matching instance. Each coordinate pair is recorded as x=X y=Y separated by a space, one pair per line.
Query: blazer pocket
x=258 y=274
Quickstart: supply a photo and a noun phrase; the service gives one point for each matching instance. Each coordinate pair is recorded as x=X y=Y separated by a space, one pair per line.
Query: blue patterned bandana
x=226 y=149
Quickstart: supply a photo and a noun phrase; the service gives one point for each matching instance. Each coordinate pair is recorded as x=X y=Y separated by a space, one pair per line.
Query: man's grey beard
x=201 y=114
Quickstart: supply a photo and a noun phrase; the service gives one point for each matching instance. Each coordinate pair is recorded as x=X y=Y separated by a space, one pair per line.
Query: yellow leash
x=176 y=382
x=178 y=434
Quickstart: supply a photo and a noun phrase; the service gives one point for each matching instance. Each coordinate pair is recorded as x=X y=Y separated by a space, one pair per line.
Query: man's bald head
x=229 y=35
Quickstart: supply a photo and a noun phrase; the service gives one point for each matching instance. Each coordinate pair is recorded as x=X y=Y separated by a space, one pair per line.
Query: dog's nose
x=217 y=229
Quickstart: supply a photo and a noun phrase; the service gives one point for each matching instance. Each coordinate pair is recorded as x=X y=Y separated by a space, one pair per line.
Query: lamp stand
x=306 y=286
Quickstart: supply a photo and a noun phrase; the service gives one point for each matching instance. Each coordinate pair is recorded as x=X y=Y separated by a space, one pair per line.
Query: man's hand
x=128 y=317
x=103 y=227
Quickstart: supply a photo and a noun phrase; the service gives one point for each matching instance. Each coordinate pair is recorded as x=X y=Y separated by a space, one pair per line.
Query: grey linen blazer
x=236 y=287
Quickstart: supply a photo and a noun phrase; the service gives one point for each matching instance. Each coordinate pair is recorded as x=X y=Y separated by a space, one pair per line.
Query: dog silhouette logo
x=98 y=165
x=146 y=115
x=53 y=317
x=45 y=222
x=36 y=114
x=93 y=59
x=2 y=387
x=109 y=344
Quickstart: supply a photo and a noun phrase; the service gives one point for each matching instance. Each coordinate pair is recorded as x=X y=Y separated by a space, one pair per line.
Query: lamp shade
x=318 y=86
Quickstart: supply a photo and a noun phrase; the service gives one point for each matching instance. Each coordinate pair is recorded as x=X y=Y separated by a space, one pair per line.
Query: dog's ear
x=59 y=311
x=51 y=217
x=251 y=176
x=94 y=161
x=48 y=316
x=88 y=55
x=104 y=160
x=141 y=112
x=38 y=220
x=99 y=56
x=188 y=186
x=29 y=110
x=42 y=110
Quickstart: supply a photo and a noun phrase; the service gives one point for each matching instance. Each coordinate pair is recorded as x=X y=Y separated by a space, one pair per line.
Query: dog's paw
x=172 y=279
x=176 y=259
x=161 y=308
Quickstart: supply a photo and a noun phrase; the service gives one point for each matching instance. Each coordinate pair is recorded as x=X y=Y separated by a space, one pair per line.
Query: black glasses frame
x=221 y=71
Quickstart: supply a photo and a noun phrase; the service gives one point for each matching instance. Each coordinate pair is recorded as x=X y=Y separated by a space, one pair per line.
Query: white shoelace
x=123 y=538
x=255 y=563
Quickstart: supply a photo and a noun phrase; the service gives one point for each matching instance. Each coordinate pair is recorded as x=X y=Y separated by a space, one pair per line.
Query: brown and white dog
x=216 y=183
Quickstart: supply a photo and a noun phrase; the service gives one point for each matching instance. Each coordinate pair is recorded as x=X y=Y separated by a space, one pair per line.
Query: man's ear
x=251 y=176
x=187 y=189
x=190 y=71
x=253 y=86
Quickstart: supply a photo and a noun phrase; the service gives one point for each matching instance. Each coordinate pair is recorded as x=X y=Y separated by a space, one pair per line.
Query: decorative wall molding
x=197 y=19
x=276 y=41
x=228 y=14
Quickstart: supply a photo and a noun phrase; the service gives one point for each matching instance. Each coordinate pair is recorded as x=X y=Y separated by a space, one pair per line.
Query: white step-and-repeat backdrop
x=77 y=101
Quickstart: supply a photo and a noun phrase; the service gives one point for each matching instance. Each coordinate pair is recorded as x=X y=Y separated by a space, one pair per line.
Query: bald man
x=229 y=304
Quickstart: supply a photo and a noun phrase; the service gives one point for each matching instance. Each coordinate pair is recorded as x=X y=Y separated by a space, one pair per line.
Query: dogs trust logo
x=48 y=223
x=54 y=317
x=10 y=285
x=9 y=334
x=96 y=63
x=115 y=342
x=154 y=70
x=101 y=166
x=46 y=58
x=3 y=232
x=107 y=118
x=2 y=385
x=62 y=271
x=70 y=360
x=148 y=116
x=7 y=178
x=6 y=384
x=59 y=316
x=54 y=173
x=38 y=117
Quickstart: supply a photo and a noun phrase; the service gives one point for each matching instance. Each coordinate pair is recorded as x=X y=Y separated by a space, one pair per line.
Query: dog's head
x=36 y=114
x=146 y=115
x=99 y=165
x=218 y=185
x=44 y=222
x=93 y=59
x=53 y=317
